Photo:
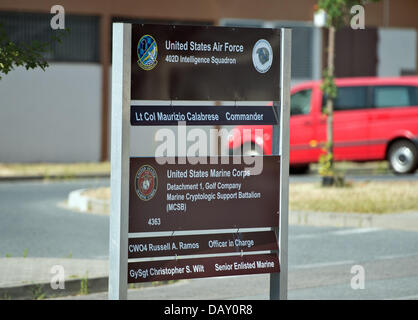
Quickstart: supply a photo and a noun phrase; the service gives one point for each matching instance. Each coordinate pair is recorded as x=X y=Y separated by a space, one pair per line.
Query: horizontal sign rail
x=201 y=244
x=202 y=115
x=165 y=270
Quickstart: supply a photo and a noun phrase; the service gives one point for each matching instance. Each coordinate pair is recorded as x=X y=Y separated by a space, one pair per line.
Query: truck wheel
x=403 y=157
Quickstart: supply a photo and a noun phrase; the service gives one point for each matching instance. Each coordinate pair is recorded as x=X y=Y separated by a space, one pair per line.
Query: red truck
x=374 y=119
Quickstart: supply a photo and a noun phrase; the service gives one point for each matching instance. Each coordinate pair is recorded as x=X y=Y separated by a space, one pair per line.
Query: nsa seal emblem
x=146 y=182
x=262 y=56
x=147 y=52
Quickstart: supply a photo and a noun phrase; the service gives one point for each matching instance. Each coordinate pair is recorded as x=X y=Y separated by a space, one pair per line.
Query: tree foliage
x=30 y=56
x=338 y=15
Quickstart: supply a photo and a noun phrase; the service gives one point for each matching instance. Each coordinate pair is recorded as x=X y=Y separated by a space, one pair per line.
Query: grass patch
x=69 y=170
x=84 y=285
x=38 y=293
x=359 y=197
x=47 y=170
x=369 y=167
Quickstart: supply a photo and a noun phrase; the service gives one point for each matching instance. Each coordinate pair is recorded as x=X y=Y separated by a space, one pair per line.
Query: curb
x=80 y=202
x=36 y=291
x=53 y=177
x=73 y=287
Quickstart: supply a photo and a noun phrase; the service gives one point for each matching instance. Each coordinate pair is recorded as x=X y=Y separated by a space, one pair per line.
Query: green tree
x=30 y=56
x=338 y=14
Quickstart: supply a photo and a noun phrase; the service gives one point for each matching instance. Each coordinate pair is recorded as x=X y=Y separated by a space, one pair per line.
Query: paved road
x=320 y=265
x=320 y=259
x=320 y=262
x=31 y=219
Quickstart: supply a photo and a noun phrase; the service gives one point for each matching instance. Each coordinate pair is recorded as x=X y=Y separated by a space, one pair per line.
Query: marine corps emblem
x=146 y=182
x=147 y=51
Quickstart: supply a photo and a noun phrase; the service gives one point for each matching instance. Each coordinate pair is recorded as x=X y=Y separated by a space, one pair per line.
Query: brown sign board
x=201 y=244
x=164 y=270
x=204 y=63
x=184 y=196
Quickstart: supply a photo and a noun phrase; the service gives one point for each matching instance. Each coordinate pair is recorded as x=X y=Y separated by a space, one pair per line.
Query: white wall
x=51 y=116
x=396 y=50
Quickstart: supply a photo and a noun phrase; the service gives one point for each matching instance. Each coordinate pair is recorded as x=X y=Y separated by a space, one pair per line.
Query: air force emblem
x=262 y=56
x=147 y=52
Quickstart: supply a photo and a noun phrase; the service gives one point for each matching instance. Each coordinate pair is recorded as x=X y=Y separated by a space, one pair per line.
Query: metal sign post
x=278 y=281
x=119 y=184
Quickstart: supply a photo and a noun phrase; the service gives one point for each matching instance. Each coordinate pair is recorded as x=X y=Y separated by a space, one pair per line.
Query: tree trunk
x=329 y=105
